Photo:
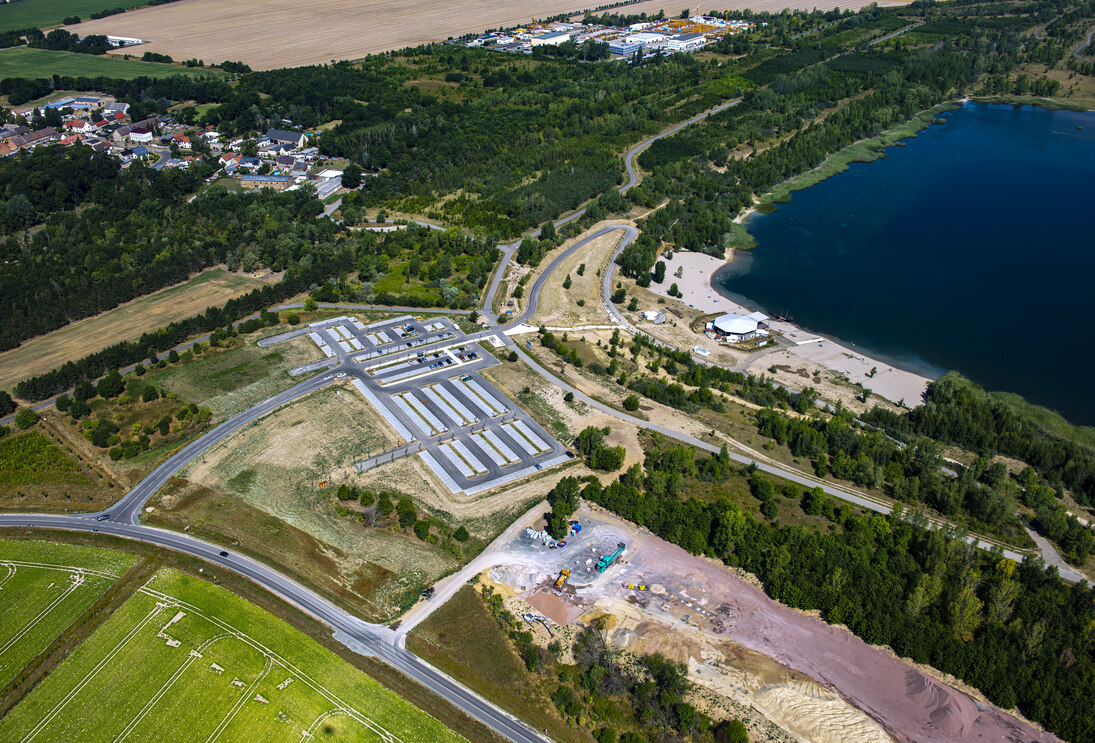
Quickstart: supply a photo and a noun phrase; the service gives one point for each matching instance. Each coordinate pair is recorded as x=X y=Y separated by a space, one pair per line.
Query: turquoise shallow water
x=970 y=248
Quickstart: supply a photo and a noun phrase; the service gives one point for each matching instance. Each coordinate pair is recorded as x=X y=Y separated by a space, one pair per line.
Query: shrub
x=292 y=318
x=407 y=513
x=631 y=403
x=25 y=418
x=422 y=529
x=461 y=534
x=568 y=397
x=512 y=356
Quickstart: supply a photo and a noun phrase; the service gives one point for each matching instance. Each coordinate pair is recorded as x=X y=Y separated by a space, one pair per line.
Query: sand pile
x=817 y=714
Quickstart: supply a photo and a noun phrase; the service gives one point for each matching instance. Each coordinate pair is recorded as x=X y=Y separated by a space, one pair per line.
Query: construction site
x=815 y=681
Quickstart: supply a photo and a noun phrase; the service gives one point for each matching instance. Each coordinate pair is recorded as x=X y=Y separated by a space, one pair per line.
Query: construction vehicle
x=562 y=579
x=605 y=562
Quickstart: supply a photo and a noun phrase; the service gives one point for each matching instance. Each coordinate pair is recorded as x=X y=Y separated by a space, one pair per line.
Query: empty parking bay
x=447 y=410
x=419 y=420
x=470 y=458
x=449 y=454
x=420 y=408
x=485 y=446
x=525 y=437
x=500 y=445
x=454 y=401
x=483 y=399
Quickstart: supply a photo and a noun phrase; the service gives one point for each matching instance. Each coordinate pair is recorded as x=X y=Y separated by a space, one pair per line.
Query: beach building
x=735 y=328
x=653 y=316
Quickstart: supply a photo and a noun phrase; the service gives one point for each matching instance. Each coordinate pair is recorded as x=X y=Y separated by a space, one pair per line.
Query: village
x=643 y=40
x=278 y=159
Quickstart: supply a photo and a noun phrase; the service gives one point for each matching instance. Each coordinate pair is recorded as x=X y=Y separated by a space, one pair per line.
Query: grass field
x=229 y=382
x=21 y=61
x=185 y=660
x=208 y=29
x=125 y=322
x=274 y=467
x=47 y=13
x=36 y=473
x=44 y=588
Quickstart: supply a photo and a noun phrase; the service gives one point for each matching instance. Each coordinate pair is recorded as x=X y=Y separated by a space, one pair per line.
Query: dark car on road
x=224 y=554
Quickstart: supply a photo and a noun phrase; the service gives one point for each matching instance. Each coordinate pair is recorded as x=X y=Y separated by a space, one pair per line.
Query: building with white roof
x=648 y=40
x=740 y=327
x=555 y=38
x=686 y=42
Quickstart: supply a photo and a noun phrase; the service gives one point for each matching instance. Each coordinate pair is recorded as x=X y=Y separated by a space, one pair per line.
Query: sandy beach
x=801 y=348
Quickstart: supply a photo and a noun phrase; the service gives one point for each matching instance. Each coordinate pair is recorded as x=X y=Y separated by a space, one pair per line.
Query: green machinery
x=605 y=562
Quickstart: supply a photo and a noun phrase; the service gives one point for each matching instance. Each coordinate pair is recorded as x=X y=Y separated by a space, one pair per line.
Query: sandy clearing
x=697 y=270
x=125 y=322
x=267 y=34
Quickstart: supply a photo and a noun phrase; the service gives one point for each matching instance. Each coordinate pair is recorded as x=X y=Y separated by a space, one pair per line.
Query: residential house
x=33 y=139
x=182 y=141
x=70 y=140
x=139 y=134
x=78 y=126
x=285 y=162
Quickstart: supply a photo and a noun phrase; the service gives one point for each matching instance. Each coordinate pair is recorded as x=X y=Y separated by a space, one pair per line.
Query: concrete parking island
x=422 y=377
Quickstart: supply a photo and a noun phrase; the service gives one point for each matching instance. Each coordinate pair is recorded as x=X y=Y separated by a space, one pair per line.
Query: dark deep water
x=971 y=248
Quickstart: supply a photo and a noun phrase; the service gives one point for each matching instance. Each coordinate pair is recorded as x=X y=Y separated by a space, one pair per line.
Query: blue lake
x=970 y=248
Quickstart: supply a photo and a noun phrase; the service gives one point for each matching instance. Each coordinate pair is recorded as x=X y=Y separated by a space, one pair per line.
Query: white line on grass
x=76 y=582
x=91 y=675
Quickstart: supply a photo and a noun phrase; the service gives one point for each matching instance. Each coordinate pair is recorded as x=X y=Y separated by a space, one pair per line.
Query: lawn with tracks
x=44 y=588
x=186 y=660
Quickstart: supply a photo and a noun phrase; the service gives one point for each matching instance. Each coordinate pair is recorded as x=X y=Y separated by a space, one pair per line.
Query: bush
x=292 y=318
x=568 y=397
x=422 y=529
x=631 y=403
x=512 y=356
x=461 y=534
x=25 y=418
x=384 y=505
x=407 y=513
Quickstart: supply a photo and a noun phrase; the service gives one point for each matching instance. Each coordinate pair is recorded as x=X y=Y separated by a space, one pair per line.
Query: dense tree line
x=957 y=411
x=140 y=234
x=280 y=227
x=1015 y=632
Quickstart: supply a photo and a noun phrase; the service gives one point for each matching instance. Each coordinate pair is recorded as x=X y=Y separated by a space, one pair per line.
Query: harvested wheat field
x=126 y=322
x=267 y=34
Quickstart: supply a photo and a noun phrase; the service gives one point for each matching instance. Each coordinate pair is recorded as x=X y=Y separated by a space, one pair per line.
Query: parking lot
x=423 y=377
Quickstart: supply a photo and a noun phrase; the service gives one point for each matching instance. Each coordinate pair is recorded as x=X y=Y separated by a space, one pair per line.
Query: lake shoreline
x=818 y=238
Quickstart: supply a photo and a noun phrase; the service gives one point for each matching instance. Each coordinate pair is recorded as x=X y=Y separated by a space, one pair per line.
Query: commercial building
x=686 y=42
x=555 y=38
x=621 y=48
x=648 y=40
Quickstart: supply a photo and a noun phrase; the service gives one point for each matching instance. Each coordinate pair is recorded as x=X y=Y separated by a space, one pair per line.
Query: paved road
x=898 y=32
x=1078 y=51
x=361 y=636
x=128 y=509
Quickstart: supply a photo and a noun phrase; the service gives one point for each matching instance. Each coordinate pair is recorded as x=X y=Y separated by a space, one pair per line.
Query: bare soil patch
x=123 y=323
